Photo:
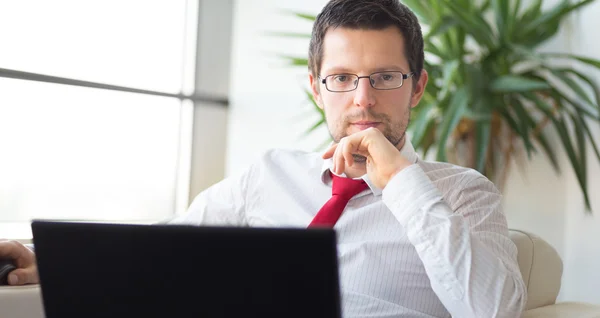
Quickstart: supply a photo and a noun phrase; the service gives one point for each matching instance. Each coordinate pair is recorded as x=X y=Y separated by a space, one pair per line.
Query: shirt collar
x=408 y=151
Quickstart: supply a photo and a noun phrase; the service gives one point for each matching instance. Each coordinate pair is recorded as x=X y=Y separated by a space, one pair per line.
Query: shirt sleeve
x=466 y=250
x=220 y=205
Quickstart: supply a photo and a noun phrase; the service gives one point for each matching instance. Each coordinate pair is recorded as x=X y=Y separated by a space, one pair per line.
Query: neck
x=360 y=169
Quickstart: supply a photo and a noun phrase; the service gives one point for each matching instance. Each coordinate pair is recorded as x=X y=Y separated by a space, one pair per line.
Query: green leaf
x=546 y=110
x=554 y=15
x=450 y=70
x=452 y=116
x=420 y=9
x=421 y=124
x=572 y=85
x=474 y=24
x=310 y=97
x=580 y=138
x=485 y=6
x=515 y=83
x=483 y=130
x=512 y=123
x=575 y=163
x=441 y=26
x=563 y=132
x=503 y=21
x=295 y=61
x=315 y=126
x=541 y=139
x=589 y=81
x=525 y=123
x=433 y=49
x=515 y=12
x=576 y=105
x=540 y=104
x=586 y=128
x=305 y=16
x=586 y=60
x=532 y=12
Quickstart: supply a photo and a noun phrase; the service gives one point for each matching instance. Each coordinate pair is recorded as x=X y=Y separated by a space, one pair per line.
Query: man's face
x=363 y=52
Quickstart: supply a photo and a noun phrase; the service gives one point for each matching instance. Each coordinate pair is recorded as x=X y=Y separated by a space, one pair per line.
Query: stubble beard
x=393 y=132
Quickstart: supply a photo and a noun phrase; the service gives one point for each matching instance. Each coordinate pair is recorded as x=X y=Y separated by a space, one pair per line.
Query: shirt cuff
x=409 y=193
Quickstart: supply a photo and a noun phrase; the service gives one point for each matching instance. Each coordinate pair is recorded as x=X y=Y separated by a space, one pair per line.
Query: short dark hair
x=370 y=15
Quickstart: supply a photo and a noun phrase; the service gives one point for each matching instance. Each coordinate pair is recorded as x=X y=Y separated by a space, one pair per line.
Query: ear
x=315 y=89
x=419 y=89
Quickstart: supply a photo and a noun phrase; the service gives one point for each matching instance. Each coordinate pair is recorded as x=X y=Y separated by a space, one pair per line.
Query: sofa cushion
x=541 y=267
x=21 y=302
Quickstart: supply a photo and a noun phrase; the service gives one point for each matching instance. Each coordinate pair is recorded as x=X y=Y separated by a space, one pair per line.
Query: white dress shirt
x=433 y=243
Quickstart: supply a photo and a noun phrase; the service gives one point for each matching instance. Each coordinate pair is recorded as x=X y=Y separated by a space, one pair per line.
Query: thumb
x=22 y=276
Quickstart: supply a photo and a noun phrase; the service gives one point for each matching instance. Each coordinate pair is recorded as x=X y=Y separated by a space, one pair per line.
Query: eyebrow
x=344 y=70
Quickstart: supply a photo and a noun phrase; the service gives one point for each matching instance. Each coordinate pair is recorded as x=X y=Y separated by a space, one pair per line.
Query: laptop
x=125 y=270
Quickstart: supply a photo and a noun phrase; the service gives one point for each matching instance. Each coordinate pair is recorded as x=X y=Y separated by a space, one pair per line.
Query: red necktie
x=342 y=190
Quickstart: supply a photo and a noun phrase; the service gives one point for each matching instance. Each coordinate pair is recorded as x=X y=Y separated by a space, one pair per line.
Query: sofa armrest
x=564 y=309
x=21 y=302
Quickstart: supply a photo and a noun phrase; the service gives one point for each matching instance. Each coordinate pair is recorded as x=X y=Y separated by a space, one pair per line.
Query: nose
x=364 y=93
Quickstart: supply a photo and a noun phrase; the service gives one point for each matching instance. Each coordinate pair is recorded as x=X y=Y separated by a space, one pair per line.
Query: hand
x=24 y=259
x=383 y=159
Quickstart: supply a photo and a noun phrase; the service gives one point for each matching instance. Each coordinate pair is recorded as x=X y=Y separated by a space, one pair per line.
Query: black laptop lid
x=116 y=270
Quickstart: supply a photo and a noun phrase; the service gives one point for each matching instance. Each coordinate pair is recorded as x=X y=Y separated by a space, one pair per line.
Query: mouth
x=362 y=125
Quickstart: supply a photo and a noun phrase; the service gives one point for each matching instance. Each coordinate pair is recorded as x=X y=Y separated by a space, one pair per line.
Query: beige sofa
x=540 y=265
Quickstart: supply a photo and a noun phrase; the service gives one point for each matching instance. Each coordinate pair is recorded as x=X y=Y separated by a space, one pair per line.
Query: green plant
x=491 y=93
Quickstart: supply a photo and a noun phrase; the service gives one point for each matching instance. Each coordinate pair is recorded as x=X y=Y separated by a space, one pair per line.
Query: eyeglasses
x=379 y=80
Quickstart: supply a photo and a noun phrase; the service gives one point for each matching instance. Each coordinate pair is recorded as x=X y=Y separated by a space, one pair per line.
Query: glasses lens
x=341 y=82
x=387 y=80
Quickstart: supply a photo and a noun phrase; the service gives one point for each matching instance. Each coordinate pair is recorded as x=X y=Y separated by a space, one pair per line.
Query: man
x=417 y=238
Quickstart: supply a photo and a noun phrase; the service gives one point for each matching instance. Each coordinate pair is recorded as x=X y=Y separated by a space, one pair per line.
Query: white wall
x=582 y=260
x=209 y=135
x=266 y=98
x=268 y=107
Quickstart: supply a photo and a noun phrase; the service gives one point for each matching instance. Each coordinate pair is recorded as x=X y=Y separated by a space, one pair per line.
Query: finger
x=22 y=276
x=347 y=153
x=329 y=153
x=11 y=250
x=339 y=157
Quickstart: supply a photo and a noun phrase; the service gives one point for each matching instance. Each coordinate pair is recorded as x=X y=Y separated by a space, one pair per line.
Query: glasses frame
x=404 y=77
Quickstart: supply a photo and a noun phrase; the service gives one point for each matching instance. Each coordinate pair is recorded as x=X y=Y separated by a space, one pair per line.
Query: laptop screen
x=118 y=270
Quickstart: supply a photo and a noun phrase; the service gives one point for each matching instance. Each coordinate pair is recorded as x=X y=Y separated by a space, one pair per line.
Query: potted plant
x=491 y=93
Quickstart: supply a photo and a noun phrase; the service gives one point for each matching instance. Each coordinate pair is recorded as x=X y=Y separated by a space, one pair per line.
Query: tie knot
x=346 y=187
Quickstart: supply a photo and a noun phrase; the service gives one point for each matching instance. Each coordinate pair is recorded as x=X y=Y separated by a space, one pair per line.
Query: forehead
x=363 y=51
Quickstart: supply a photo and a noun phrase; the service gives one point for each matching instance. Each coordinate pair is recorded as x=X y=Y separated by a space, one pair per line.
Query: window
x=80 y=152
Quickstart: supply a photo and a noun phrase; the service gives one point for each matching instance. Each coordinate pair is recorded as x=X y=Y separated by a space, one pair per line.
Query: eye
x=340 y=78
x=388 y=77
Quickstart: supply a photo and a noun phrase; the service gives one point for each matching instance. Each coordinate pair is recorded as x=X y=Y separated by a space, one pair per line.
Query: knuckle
x=14 y=244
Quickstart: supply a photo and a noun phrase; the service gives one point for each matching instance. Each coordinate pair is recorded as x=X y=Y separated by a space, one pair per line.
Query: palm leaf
x=503 y=18
x=554 y=15
x=458 y=105
x=526 y=123
x=474 y=24
x=295 y=61
x=421 y=124
x=589 y=135
x=586 y=60
x=572 y=85
x=482 y=141
x=515 y=83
